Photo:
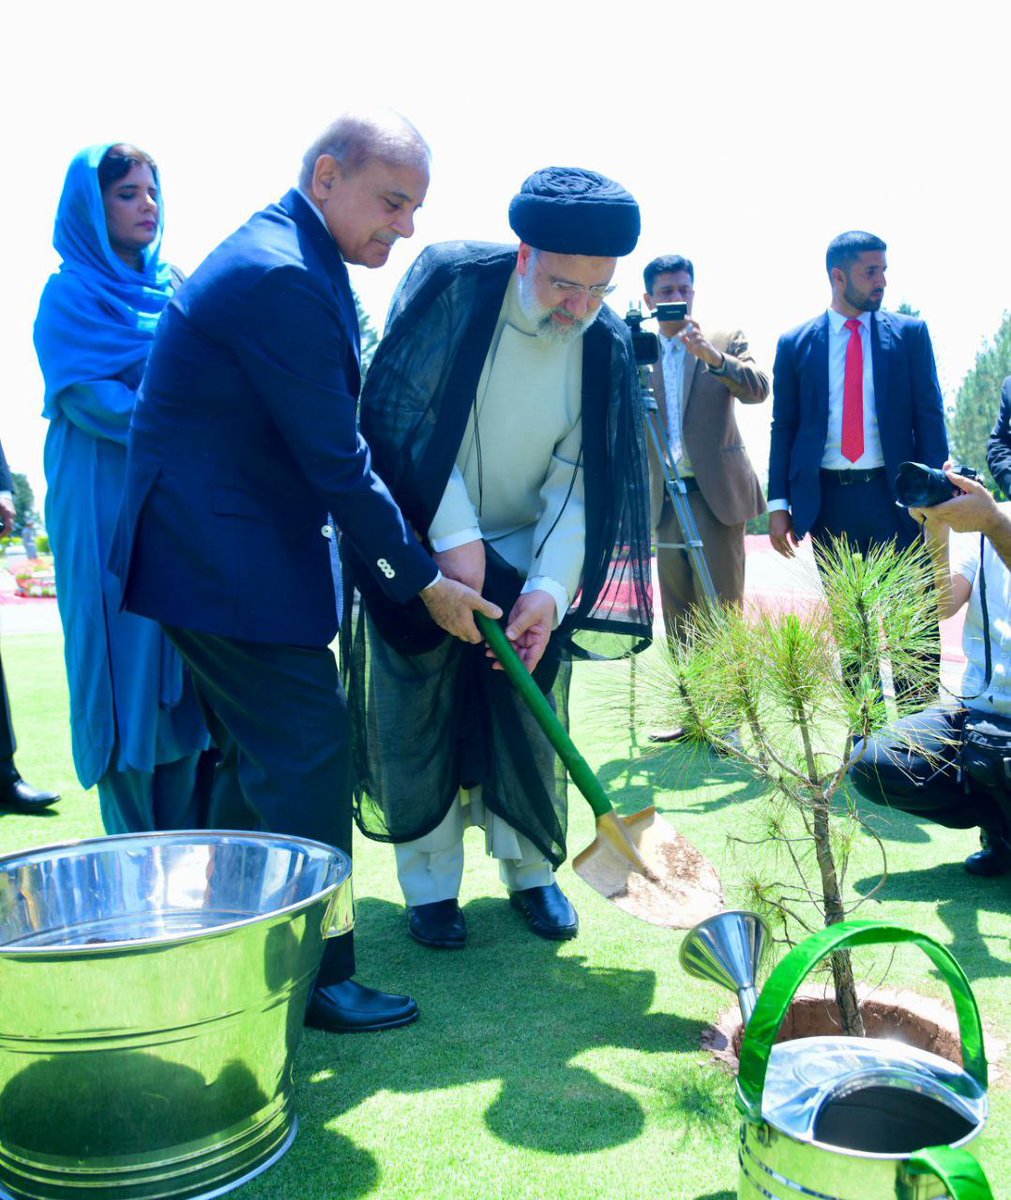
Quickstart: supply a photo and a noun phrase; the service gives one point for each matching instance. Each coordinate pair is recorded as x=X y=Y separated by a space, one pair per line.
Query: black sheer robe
x=429 y=715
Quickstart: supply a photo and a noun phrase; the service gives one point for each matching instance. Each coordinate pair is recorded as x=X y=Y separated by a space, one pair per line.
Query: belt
x=846 y=477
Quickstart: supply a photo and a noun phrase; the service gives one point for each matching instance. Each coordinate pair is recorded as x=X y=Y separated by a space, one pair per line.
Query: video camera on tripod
x=646 y=346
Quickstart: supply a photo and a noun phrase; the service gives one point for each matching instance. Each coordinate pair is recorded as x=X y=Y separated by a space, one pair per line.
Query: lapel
x=318 y=237
x=818 y=359
x=687 y=379
x=881 y=348
x=659 y=389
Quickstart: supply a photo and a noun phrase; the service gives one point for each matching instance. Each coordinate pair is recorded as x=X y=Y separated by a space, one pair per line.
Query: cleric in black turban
x=503 y=412
x=569 y=210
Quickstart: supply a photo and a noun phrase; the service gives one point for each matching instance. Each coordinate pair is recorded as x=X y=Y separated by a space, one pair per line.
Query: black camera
x=919 y=486
x=644 y=343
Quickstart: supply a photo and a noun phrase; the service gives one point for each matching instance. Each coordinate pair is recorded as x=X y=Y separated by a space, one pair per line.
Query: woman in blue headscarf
x=136 y=728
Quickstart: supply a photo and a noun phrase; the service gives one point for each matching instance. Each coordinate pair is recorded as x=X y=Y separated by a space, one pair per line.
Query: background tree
x=975 y=410
x=368 y=333
x=24 y=503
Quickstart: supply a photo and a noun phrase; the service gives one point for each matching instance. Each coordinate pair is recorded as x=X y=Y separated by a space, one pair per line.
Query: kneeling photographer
x=951 y=762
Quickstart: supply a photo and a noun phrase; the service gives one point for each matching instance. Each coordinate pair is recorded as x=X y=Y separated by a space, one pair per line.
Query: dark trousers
x=913 y=767
x=867 y=515
x=7 y=742
x=279 y=719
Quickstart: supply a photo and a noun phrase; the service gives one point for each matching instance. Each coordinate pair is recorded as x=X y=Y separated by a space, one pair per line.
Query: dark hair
x=845 y=249
x=666 y=264
x=119 y=160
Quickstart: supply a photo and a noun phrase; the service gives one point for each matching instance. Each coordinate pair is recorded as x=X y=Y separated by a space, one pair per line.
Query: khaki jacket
x=712 y=439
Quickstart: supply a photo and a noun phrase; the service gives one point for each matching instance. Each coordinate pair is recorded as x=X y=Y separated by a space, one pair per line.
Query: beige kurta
x=518 y=471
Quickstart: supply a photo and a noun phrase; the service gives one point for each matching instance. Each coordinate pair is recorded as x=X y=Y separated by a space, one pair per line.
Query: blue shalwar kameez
x=136 y=727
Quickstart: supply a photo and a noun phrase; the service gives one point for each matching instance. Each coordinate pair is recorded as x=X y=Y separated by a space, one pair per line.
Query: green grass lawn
x=541 y=1070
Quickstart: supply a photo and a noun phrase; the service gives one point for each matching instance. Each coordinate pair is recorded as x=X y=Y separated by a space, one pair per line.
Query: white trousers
x=430 y=868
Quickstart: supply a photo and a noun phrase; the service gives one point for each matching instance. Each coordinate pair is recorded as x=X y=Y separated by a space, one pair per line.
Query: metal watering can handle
x=782 y=985
x=960 y=1173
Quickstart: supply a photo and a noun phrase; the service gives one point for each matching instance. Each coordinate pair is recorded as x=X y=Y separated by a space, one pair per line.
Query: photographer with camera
x=696 y=382
x=952 y=763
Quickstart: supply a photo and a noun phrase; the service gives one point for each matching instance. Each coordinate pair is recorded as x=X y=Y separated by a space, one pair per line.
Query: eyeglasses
x=564 y=288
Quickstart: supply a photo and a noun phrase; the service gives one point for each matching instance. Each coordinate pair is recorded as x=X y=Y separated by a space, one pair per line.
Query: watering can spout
x=728 y=949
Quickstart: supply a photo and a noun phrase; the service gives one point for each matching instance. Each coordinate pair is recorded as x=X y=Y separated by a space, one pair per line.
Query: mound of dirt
x=916 y=1020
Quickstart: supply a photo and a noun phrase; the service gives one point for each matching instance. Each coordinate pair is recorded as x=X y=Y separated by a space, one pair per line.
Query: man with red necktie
x=855 y=394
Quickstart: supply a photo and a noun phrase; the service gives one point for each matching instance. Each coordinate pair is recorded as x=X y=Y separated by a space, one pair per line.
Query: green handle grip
x=542 y=712
x=960 y=1173
x=782 y=985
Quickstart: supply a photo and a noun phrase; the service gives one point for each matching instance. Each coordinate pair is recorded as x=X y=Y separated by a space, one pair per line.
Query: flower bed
x=36 y=578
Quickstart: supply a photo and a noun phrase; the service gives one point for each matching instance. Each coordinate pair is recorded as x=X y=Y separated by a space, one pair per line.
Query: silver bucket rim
x=19 y=950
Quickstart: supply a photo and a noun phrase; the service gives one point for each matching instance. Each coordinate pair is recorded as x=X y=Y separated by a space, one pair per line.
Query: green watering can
x=841 y=1118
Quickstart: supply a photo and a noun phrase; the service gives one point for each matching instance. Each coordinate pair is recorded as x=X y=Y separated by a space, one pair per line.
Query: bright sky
x=750 y=133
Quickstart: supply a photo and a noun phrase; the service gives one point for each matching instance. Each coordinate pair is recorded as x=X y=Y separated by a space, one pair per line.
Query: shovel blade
x=675 y=886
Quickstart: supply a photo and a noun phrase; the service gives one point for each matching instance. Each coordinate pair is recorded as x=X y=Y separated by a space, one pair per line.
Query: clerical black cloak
x=429 y=715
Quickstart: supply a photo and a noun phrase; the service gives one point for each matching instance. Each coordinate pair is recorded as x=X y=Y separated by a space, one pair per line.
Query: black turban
x=567 y=210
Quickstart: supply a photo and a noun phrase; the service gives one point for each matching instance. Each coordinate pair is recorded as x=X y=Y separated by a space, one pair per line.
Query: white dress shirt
x=832 y=459
x=673 y=357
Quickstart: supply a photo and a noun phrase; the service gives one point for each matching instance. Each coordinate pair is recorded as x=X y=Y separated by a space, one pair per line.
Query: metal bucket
x=848 y=1118
x=154 y=988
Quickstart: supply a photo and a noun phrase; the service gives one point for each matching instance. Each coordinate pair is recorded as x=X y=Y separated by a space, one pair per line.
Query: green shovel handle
x=960 y=1173
x=782 y=985
x=532 y=696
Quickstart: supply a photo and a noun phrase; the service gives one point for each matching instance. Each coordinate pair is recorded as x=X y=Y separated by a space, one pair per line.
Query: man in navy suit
x=244 y=452
x=855 y=393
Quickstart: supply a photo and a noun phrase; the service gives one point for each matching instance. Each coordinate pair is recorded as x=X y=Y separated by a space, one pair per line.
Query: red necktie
x=853 y=395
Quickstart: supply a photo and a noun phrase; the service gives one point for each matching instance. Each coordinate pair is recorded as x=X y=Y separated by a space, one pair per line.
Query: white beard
x=539 y=315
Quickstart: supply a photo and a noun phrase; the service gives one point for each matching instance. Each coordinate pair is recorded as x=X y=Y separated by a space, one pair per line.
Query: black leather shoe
x=25 y=798
x=439 y=925
x=668 y=735
x=548 y=912
x=350 y=1007
x=995 y=856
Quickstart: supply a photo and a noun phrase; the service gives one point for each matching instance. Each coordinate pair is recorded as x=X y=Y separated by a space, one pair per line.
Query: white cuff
x=544 y=583
x=778 y=506
x=452 y=540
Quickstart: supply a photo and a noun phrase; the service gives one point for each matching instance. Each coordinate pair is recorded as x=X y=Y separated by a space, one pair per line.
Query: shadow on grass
x=717 y=1196
x=510 y=1009
x=958 y=901
x=658 y=775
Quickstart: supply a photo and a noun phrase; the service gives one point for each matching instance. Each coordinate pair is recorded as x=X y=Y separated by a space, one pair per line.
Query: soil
x=916 y=1020
x=680 y=888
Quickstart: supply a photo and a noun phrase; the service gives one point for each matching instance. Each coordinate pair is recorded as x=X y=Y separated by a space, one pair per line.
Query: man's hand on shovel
x=529 y=628
x=452 y=605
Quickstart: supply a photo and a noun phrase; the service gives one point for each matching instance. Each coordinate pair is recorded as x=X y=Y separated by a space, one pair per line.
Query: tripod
x=674 y=486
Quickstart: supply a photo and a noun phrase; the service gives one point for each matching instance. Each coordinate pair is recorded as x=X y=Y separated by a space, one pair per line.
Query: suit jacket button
x=327 y=531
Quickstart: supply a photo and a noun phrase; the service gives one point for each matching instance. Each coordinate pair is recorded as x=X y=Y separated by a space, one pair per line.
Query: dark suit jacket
x=6 y=483
x=724 y=473
x=998 y=448
x=907 y=401
x=244 y=438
